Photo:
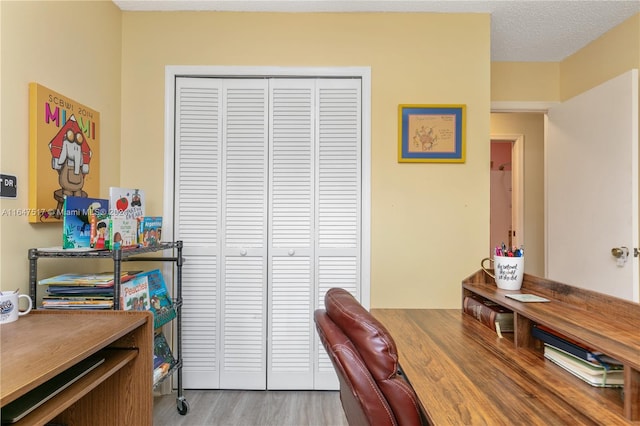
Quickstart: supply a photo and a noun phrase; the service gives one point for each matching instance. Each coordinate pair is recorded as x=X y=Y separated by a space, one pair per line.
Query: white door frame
x=364 y=73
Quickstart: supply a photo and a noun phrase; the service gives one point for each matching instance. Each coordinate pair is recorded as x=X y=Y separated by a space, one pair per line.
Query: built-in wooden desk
x=42 y=344
x=465 y=374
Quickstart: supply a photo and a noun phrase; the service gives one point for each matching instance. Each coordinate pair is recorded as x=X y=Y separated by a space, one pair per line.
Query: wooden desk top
x=44 y=343
x=465 y=374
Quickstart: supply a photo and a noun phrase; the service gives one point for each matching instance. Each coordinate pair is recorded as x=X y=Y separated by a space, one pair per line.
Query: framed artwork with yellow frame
x=431 y=133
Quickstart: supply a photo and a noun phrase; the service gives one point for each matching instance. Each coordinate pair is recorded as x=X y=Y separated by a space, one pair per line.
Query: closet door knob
x=243 y=252
x=292 y=252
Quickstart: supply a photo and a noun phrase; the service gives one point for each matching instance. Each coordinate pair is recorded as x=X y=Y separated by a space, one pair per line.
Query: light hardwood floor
x=251 y=408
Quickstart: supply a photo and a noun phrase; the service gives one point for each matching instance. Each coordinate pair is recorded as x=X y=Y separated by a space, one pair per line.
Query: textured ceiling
x=521 y=30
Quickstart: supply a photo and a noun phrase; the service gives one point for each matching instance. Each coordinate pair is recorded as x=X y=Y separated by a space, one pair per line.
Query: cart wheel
x=182 y=406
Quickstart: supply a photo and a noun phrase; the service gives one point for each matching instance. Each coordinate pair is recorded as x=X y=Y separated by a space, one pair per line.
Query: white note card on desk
x=524 y=297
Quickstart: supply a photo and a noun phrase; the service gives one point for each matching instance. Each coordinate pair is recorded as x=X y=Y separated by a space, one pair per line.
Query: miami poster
x=64 y=147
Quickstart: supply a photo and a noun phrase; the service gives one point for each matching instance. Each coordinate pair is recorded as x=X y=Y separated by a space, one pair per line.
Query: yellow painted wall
x=525 y=81
x=429 y=221
x=73 y=48
x=614 y=53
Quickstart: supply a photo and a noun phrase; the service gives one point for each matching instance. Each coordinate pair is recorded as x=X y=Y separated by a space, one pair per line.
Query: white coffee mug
x=508 y=271
x=9 y=309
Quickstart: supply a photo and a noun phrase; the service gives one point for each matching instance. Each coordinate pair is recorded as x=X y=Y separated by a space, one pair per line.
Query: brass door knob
x=619 y=252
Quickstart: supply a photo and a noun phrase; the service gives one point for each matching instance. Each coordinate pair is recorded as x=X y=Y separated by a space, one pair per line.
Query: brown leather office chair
x=373 y=390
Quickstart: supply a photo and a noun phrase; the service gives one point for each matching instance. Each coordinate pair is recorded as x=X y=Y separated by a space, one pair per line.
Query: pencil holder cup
x=507 y=271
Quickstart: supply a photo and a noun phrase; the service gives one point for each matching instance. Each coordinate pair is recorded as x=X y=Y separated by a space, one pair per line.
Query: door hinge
x=636 y=253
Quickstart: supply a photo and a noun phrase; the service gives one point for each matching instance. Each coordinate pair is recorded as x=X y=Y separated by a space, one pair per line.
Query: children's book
x=134 y=294
x=127 y=202
x=76 y=220
x=77 y=302
x=76 y=290
x=150 y=231
x=123 y=232
x=161 y=302
x=96 y=279
x=104 y=279
x=99 y=231
x=163 y=359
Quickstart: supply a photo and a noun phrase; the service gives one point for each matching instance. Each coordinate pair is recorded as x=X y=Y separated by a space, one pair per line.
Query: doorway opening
x=507 y=191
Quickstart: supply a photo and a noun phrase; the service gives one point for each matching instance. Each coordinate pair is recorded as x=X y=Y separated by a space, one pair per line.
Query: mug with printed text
x=9 y=309
x=507 y=271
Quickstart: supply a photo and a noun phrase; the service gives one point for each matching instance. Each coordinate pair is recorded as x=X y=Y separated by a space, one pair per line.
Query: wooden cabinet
x=604 y=323
x=43 y=344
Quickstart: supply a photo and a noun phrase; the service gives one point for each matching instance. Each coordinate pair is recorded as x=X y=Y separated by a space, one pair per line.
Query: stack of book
x=591 y=366
x=81 y=291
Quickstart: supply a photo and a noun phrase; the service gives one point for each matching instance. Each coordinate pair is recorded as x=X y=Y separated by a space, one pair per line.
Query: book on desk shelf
x=557 y=340
x=496 y=317
x=592 y=373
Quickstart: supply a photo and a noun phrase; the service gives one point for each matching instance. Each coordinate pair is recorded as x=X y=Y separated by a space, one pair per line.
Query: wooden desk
x=42 y=344
x=464 y=374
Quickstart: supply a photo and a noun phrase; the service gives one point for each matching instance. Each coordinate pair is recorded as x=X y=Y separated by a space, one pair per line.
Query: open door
x=591 y=185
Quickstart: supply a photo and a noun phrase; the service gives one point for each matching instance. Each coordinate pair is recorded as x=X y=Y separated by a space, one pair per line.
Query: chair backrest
x=366 y=360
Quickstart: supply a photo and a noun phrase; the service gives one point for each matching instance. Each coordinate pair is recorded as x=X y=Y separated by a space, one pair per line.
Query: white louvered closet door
x=268 y=204
x=243 y=274
x=291 y=227
x=221 y=203
x=198 y=165
x=338 y=221
x=315 y=211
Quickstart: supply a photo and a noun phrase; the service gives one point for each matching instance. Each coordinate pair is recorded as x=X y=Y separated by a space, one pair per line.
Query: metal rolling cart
x=119 y=256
